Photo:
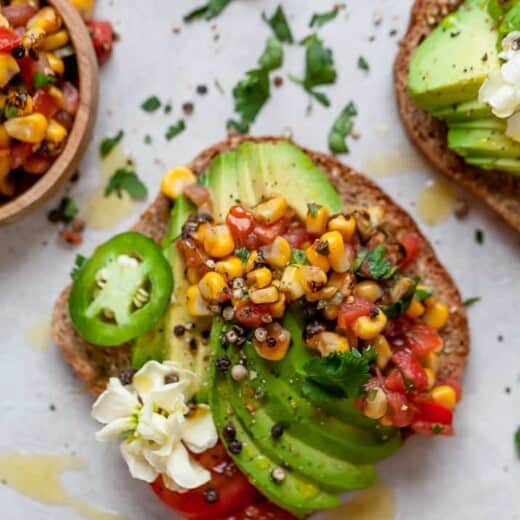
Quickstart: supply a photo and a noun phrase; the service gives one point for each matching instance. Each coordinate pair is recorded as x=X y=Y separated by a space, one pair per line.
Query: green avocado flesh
x=447 y=70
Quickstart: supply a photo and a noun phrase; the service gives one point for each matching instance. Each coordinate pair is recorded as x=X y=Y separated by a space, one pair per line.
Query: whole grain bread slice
x=500 y=190
x=94 y=365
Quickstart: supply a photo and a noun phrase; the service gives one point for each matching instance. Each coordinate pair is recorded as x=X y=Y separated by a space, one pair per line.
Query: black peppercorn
x=223 y=363
x=271 y=342
x=229 y=432
x=18 y=52
x=202 y=89
x=210 y=495
x=277 y=431
x=179 y=330
x=126 y=375
x=193 y=344
x=235 y=446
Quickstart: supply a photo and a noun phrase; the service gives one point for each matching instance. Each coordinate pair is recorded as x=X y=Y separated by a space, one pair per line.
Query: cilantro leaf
x=362 y=63
x=517 y=441
x=320 y=19
x=147 y=139
x=468 y=302
x=208 y=11
x=41 y=80
x=396 y=309
x=423 y=293
x=79 y=262
x=10 y=111
x=298 y=256
x=312 y=209
x=174 y=130
x=67 y=209
x=126 y=180
x=376 y=263
x=272 y=57
x=251 y=93
x=341 y=129
x=242 y=127
x=151 y=104
x=109 y=143
x=479 y=236
x=280 y=26
x=242 y=253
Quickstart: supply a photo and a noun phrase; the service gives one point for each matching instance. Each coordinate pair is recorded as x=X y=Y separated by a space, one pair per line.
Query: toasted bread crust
x=500 y=190
x=94 y=365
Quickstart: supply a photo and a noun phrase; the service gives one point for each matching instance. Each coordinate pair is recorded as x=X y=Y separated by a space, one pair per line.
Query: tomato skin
x=410 y=242
x=400 y=410
x=411 y=369
x=102 y=35
x=267 y=233
x=65 y=119
x=429 y=428
x=430 y=411
x=18 y=14
x=193 y=255
x=29 y=67
x=394 y=381
x=241 y=223
x=251 y=315
x=45 y=104
x=70 y=98
x=8 y=40
x=20 y=152
x=350 y=312
x=37 y=164
x=298 y=236
x=264 y=511
x=423 y=340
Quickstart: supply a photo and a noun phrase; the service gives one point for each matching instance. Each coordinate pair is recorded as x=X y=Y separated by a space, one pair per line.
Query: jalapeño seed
x=235 y=446
x=223 y=363
x=210 y=495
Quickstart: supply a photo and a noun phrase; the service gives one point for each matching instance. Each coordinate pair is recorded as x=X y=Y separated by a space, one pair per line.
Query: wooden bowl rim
x=77 y=141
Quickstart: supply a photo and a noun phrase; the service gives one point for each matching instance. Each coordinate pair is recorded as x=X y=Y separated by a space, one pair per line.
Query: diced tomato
x=298 y=236
x=350 y=312
x=194 y=256
x=423 y=340
x=8 y=40
x=430 y=411
x=70 y=98
x=241 y=223
x=428 y=428
x=37 y=164
x=410 y=242
x=20 y=152
x=232 y=490
x=267 y=233
x=102 y=35
x=252 y=315
x=400 y=410
x=264 y=511
x=45 y=104
x=18 y=14
x=65 y=119
x=413 y=372
x=29 y=67
x=394 y=381
x=74 y=238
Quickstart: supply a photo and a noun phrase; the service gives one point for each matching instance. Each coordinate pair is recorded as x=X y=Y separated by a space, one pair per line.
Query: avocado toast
x=499 y=189
x=297 y=454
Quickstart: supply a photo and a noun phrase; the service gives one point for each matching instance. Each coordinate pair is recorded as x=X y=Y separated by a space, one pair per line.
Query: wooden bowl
x=67 y=162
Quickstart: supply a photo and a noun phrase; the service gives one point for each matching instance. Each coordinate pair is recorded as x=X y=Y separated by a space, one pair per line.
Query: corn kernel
x=386 y=420
x=368 y=289
x=85 y=8
x=336 y=251
x=33 y=3
x=313 y=279
x=431 y=360
x=265 y=295
x=400 y=288
x=4 y=137
x=277 y=309
x=212 y=286
x=327 y=342
x=231 y=267
x=33 y=38
x=367 y=327
x=430 y=376
x=415 y=310
x=291 y=283
x=175 y=180
x=436 y=315
x=376 y=214
x=46 y=19
x=4 y=22
x=56 y=94
x=316 y=258
x=316 y=218
x=384 y=352
x=29 y=129
x=277 y=254
x=56 y=41
x=8 y=68
x=345 y=224
x=6 y=185
x=259 y=278
x=272 y=210
x=196 y=304
x=56 y=63
x=376 y=404
x=251 y=262
x=282 y=339
x=218 y=241
x=193 y=275
x=445 y=395
x=55 y=132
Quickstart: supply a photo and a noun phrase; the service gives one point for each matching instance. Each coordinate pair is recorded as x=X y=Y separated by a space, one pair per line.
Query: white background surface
x=472 y=476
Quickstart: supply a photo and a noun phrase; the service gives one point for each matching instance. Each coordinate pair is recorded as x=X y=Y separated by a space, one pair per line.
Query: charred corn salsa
x=350 y=277
x=38 y=96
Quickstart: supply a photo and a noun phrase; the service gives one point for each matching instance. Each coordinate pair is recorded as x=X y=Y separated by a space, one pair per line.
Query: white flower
x=152 y=413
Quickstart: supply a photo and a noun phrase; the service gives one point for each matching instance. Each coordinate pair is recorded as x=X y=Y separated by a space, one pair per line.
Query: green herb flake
x=151 y=104
x=517 y=441
x=68 y=209
x=312 y=209
x=398 y=308
x=242 y=127
x=174 y=130
x=79 y=262
x=109 y=143
x=362 y=63
x=41 y=80
x=147 y=139
x=468 y=302
x=126 y=180
x=280 y=26
x=298 y=256
x=208 y=11
x=376 y=262
x=52 y=407
x=10 y=111
x=168 y=108
x=251 y=93
x=341 y=128
x=437 y=429
x=242 y=253
x=479 y=236
x=272 y=57
x=320 y=19
x=423 y=293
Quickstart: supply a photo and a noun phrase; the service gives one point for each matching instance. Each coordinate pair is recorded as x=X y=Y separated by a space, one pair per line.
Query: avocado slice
x=451 y=64
x=483 y=143
x=494 y=163
x=222 y=180
x=463 y=111
x=250 y=164
x=489 y=123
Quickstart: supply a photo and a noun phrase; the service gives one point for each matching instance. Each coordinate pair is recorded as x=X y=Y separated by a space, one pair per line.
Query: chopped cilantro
x=359 y=260
x=168 y=108
x=79 y=262
x=479 y=236
x=251 y=93
x=147 y=139
x=423 y=293
x=362 y=63
x=280 y=25
x=10 y=111
x=437 y=428
x=151 y=104
x=312 y=209
x=341 y=128
x=396 y=309
x=208 y=11
x=517 y=441
x=242 y=253
x=376 y=262
x=272 y=57
x=126 y=180
x=242 y=127
x=468 y=302
x=298 y=256
x=109 y=143
x=41 y=80
x=320 y=19
x=52 y=407
x=68 y=209
x=174 y=130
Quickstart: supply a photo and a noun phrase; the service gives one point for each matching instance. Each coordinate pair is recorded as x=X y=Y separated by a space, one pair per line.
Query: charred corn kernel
x=415 y=310
x=430 y=376
x=436 y=315
x=445 y=395
x=259 y=278
x=29 y=129
x=376 y=404
x=218 y=241
x=4 y=137
x=33 y=38
x=33 y=3
x=324 y=294
x=265 y=295
x=400 y=288
x=85 y=8
x=212 y=286
x=57 y=95
x=193 y=275
x=47 y=19
x=56 y=63
x=6 y=187
x=4 y=22
x=327 y=342
x=277 y=309
x=8 y=68
x=291 y=283
x=231 y=267
x=175 y=180
x=3 y=99
x=376 y=214
x=368 y=289
x=336 y=250
x=367 y=327
x=384 y=352
x=316 y=258
x=56 y=41
x=316 y=218
x=313 y=279
x=277 y=254
x=345 y=224
x=330 y=312
x=271 y=210
x=55 y=132
x=431 y=360
x=386 y=420
x=276 y=343
x=196 y=304
x=251 y=261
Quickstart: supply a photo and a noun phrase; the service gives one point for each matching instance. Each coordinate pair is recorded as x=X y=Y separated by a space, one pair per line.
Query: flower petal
x=138 y=466
x=115 y=429
x=170 y=398
x=199 y=432
x=115 y=402
x=184 y=471
x=151 y=426
x=513 y=127
x=511 y=70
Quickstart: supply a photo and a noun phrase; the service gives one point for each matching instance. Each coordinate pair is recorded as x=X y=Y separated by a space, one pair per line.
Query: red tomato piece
x=394 y=381
x=430 y=411
x=20 y=152
x=241 y=223
x=8 y=40
x=29 y=67
x=350 y=312
x=74 y=238
x=298 y=236
x=65 y=119
x=423 y=340
x=267 y=233
x=233 y=490
x=400 y=410
x=193 y=255
x=264 y=511
x=37 y=164
x=18 y=14
x=429 y=428
x=252 y=315
x=410 y=242
x=45 y=104
x=102 y=35
x=70 y=98
x=413 y=372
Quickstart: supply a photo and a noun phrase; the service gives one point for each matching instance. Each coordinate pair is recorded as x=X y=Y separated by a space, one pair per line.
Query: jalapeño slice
x=121 y=291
